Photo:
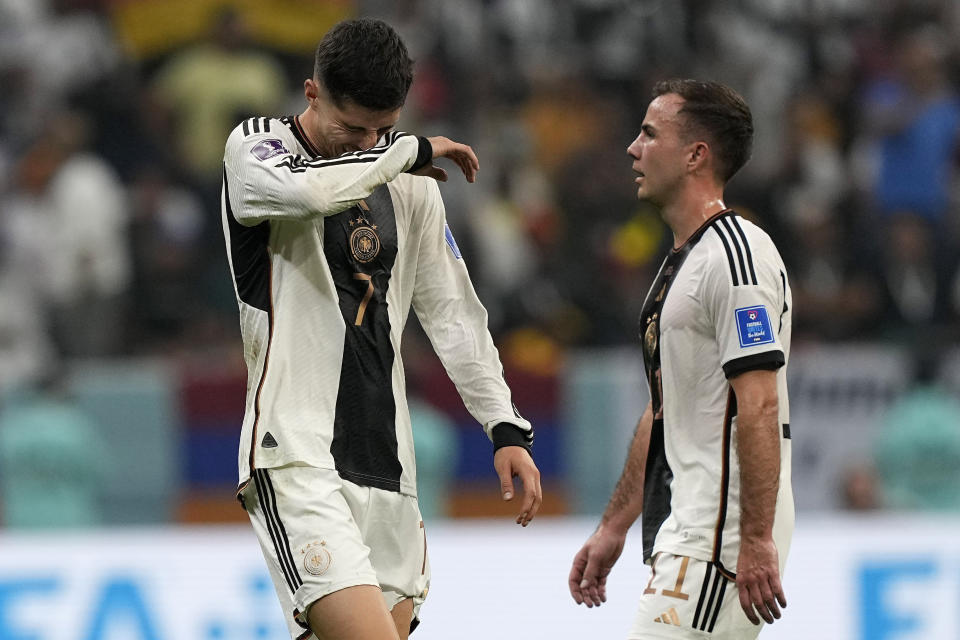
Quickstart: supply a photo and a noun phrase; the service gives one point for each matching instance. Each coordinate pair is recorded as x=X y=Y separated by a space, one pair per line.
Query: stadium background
x=121 y=377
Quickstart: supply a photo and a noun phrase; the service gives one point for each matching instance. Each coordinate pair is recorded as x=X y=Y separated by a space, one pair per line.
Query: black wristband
x=424 y=155
x=510 y=435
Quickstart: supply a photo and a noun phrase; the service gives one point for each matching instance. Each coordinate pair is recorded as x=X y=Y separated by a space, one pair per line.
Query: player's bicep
x=745 y=314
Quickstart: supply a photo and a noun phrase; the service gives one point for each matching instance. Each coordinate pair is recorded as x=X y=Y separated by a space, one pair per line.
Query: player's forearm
x=626 y=503
x=292 y=187
x=758 y=449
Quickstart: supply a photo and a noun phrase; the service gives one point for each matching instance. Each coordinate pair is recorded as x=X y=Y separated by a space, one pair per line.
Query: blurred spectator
x=51 y=461
x=167 y=241
x=912 y=276
x=860 y=488
x=77 y=210
x=54 y=50
x=210 y=87
x=914 y=114
x=918 y=447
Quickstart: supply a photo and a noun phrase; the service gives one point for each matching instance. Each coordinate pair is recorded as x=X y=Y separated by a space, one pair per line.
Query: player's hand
x=461 y=154
x=592 y=565
x=758 y=580
x=513 y=462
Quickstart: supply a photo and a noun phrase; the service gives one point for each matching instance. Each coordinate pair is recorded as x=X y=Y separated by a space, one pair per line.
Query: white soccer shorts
x=320 y=533
x=689 y=599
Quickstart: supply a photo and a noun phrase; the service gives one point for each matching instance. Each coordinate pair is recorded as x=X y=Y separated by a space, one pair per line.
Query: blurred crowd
x=109 y=200
x=110 y=232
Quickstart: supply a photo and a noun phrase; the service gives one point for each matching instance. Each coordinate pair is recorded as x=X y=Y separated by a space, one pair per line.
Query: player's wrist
x=510 y=435
x=424 y=154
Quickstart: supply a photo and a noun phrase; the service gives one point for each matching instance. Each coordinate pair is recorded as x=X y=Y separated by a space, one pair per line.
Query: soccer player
x=334 y=228
x=709 y=465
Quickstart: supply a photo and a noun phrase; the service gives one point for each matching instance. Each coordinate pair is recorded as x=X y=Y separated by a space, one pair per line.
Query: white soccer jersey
x=720 y=306
x=327 y=257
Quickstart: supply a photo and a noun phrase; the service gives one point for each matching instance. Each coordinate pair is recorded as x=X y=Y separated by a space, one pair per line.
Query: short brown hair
x=364 y=61
x=719 y=113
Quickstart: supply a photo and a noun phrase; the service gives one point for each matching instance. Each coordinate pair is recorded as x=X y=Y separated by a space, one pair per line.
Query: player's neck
x=690 y=210
x=309 y=126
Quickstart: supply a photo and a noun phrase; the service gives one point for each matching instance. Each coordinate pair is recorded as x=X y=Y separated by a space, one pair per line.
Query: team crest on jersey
x=753 y=326
x=650 y=337
x=364 y=244
x=316 y=558
x=266 y=149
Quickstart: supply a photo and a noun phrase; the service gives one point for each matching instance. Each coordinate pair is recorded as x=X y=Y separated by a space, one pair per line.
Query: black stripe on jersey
x=726 y=247
x=746 y=247
x=767 y=361
x=656 y=488
x=255 y=123
x=296 y=164
x=703 y=593
x=786 y=307
x=250 y=256
x=278 y=533
x=786 y=431
x=719 y=605
x=736 y=245
x=364 y=446
x=265 y=125
x=253 y=277
x=710 y=601
x=724 y=475
x=306 y=634
x=246 y=128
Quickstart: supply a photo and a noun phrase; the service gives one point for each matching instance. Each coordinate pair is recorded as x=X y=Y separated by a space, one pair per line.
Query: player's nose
x=634 y=149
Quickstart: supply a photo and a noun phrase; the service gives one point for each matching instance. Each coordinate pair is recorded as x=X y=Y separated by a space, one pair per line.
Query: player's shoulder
x=264 y=136
x=734 y=244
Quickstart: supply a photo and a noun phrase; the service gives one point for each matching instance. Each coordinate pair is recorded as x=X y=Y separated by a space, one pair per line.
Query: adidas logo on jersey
x=669 y=617
x=269 y=442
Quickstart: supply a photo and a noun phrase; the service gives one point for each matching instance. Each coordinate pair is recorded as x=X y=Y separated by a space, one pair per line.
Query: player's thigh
x=402 y=614
x=393 y=529
x=353 y=613
x=310 y=539
x=689 y=599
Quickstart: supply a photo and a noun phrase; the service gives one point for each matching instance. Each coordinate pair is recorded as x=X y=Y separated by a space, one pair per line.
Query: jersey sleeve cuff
x=510 y=435
x=768 y=361
x=424 y=154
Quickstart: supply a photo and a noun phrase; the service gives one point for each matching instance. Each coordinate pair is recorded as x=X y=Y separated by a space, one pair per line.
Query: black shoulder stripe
x=255 y=123
x=246 y=128
x=726 y=247
x=736 y=245
x=266 y=125
x=746 y=248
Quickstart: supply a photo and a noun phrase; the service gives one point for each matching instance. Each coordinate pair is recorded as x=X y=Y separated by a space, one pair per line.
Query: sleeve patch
x=266 y=149
x=753 y=326
x=451 y=242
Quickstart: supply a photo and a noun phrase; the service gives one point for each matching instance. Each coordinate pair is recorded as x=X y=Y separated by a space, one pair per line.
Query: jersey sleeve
x=744 y=301
x=456 y=323
x=266 y=181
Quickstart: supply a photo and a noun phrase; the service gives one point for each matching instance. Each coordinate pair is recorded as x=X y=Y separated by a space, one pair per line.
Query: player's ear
x=311 y=90
x=699 y=156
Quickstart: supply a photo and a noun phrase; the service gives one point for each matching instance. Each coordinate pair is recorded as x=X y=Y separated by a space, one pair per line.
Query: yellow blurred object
x=635 y=243
x=151 y=28
x=532 y=351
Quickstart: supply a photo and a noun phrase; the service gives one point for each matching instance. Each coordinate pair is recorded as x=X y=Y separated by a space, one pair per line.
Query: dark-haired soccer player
x=709 y=466
x=334 y=227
